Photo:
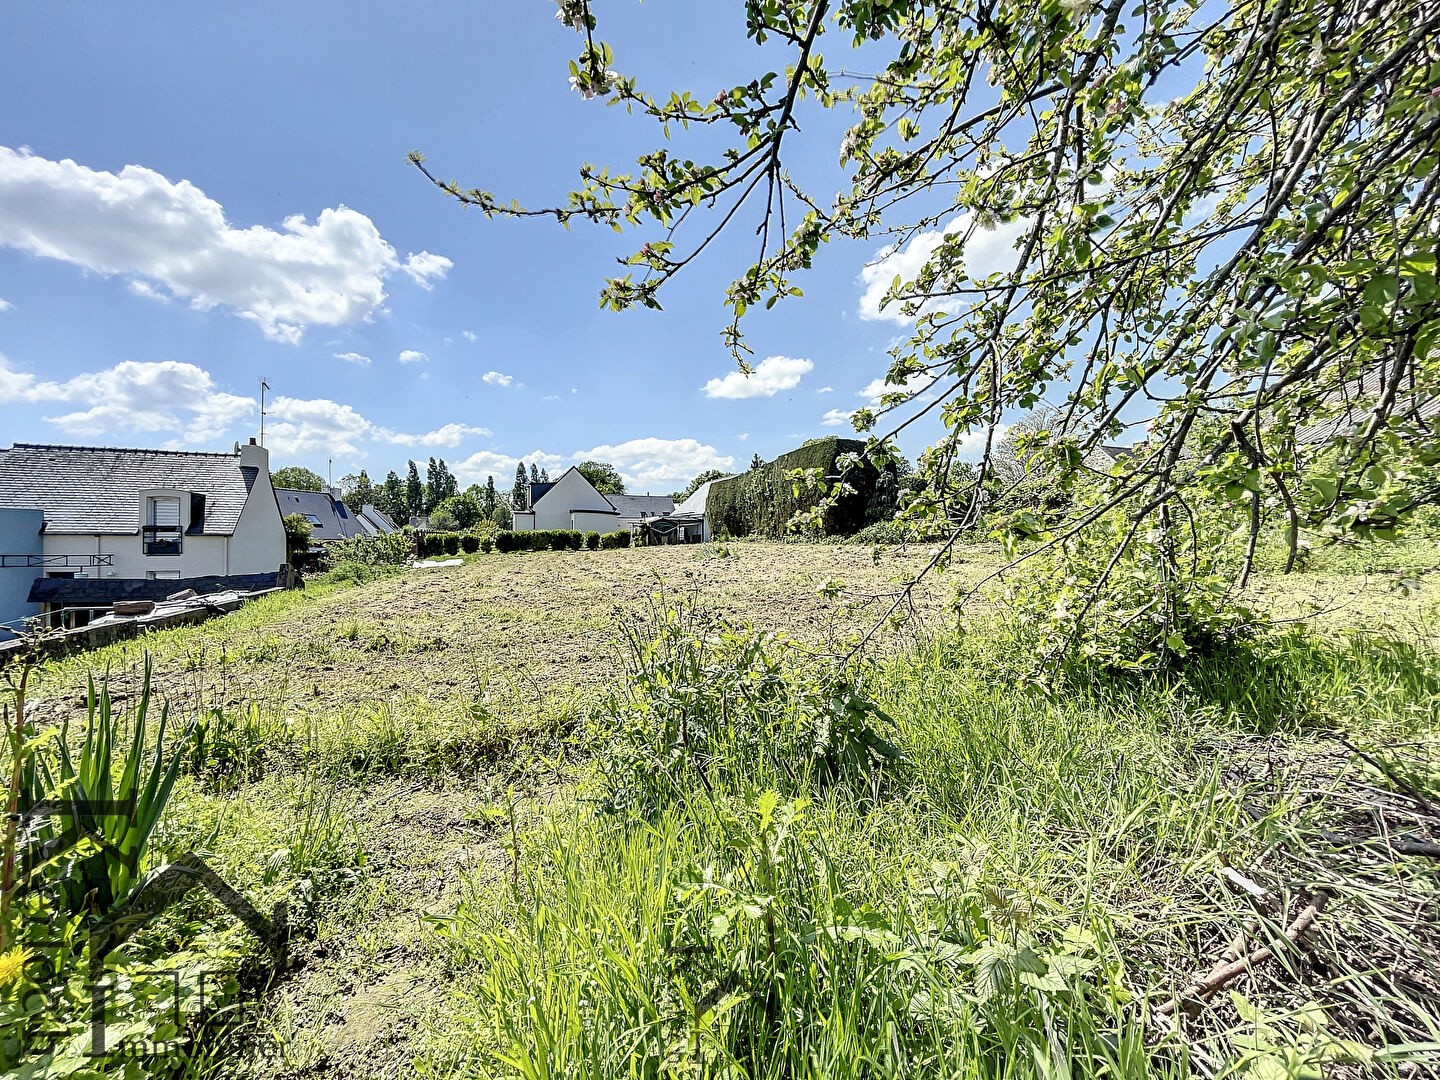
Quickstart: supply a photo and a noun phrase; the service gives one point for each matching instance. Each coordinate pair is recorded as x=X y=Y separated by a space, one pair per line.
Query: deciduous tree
x=603 y=476
x=1207 y=229
x=297 y=478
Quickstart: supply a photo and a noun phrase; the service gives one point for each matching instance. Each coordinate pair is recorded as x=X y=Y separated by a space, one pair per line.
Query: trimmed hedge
x=763 y=500
x=469 y=544
x=558 y=540
x=431 y=544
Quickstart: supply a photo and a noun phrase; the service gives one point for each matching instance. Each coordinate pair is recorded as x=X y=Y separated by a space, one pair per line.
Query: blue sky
x=192 y=198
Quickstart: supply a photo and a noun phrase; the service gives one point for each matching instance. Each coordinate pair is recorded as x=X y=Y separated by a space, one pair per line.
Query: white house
x=572 y=502
x=139 y=524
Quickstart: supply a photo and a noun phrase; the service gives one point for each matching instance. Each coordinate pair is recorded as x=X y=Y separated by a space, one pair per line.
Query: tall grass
x=1005 y=890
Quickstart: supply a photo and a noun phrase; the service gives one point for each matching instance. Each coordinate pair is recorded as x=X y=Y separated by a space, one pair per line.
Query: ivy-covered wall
x=762 y=501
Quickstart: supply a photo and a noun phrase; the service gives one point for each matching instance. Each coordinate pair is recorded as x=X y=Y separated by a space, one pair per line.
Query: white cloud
x=648 y=464
x=183 y=400
x=170 y=239
x=836 y=417
x=875 y=389
x=353 y=358
x=470 y=335
x=825 y=390
x=744 y=436
x=496 y=378
x=422 y=266
x=133 y=397
x=988 y=251
x=6 y=305
x=770 y=376
x=413 y=356
x=300 y=426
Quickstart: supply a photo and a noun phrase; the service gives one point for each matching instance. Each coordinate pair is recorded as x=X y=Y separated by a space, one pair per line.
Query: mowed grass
x=569 y=815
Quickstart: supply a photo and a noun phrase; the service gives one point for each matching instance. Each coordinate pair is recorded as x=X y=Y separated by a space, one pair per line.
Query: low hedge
x=557 y=540
x=437 y=543
x=469 y=544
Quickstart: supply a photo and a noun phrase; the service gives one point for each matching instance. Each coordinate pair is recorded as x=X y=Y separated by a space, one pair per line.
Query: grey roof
x=377 y=519
x=698 y=499
x=635 y=507
x=1358 y=397
x=330 y=519
x=96 y=489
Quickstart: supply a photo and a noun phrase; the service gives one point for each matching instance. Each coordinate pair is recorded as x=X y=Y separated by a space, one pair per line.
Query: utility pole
x=263 y=387
x=330 y=472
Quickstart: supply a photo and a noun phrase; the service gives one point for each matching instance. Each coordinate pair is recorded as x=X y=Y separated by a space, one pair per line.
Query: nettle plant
x=1222 y=220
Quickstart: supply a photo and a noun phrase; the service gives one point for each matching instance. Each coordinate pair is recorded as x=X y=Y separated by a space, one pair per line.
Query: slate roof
x=1358 y=398
x=94 y=489
x=376 y=519
x=330 y=519
x=636 y=507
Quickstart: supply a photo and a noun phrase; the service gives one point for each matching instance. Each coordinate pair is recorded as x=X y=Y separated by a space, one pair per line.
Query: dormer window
x=161 y=533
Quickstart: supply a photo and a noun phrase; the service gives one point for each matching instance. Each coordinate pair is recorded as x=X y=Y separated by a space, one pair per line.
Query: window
x=162 y=575
x=161 y=532
x=313 y=519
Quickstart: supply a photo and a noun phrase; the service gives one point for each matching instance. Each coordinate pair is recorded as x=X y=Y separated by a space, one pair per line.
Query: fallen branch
x=1225 y=974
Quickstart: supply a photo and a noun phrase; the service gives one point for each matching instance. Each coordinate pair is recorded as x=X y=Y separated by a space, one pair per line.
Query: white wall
x=592 y=522
x=258 y=546
x=571 y=492
x=200 y=556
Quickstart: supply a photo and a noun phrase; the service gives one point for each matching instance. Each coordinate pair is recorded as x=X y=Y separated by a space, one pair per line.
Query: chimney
x=252 y=453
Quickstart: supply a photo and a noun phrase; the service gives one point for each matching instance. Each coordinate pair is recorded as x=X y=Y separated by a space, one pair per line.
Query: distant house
x=1104 y=458
x=571 y=502
x=375 y=522
x=1353 y=403
x=690 y=521
x=82 y=526
x=330 y=519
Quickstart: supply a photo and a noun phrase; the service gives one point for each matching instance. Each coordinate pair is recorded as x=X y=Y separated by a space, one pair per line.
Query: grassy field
x=620 y=813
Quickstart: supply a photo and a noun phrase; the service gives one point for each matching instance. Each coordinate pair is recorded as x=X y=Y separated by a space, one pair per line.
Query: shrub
x=617 y=539
x=575 y=539
x=731 y=707
x=505 y=540
x=364 y=558
x=470 y=544
x=487 y=544
x=451 y=543
x=592 y=540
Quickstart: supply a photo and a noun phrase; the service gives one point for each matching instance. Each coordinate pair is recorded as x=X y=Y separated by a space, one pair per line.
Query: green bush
x=365 y=558
x=451 y=543
x=469 y=544
x=592 y=540
x=540 y=540
x=764 y=500
x=617 y=539
x=487 y=544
